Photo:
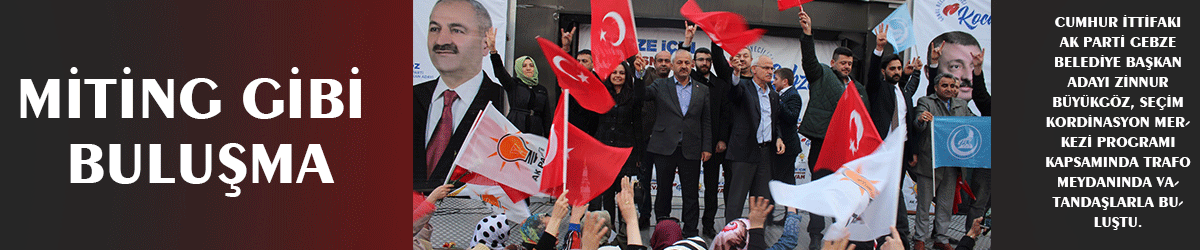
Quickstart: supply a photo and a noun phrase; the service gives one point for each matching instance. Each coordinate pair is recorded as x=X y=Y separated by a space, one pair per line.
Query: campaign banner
x=424 y=68
x=962 y=141
x=966 y=26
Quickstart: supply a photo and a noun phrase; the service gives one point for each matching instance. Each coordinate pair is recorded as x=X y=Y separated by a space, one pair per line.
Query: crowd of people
x=696 y=111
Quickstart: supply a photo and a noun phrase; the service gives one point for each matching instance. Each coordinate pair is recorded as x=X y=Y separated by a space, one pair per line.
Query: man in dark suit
x=446 y=107
x=719 y=89
x=790 y=103
x=681 y=138
x=890 y=90
x=753 y=137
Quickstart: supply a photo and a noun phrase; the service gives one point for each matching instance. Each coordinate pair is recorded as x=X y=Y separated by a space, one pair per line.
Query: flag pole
x=566 y=123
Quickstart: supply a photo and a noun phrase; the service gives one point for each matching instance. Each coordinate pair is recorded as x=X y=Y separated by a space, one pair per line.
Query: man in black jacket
x=753 y=137
x=718 y=89
x=890 y=90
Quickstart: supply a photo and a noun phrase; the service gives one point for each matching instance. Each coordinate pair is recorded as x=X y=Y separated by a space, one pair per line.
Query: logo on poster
x=966 y=16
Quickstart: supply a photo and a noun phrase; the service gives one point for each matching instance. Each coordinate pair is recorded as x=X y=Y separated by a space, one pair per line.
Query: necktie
x=441 y=135
x=896 y=113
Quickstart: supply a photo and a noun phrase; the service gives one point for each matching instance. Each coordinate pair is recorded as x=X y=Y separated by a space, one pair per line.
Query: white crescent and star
x=620 y=27
x=856 y=120
x=558 y=64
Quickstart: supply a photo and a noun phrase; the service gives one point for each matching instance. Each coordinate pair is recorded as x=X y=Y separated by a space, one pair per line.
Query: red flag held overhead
x=614 y=35
x=584 y=86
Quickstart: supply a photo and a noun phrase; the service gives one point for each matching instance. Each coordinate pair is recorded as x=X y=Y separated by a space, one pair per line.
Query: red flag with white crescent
x=727 y=29
x=851 y=133
x=593 y=166
x=584 y=86
x=614 y=35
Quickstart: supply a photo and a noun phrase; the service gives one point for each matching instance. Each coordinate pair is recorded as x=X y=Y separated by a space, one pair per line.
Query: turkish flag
x=785 y=4
x=728 y=30
x=588 y=90
x=593 y=165
x=614 y=35
x=851 y=133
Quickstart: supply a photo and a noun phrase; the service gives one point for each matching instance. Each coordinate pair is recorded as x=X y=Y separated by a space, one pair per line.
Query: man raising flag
x=862 y=194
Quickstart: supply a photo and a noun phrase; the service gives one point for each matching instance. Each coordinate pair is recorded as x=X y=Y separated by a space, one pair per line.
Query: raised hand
x=639 y=64
x=893 y=241
x=913 y=65
x=805 y=22
x=936 y=52
x=977 y=61
x=760 y=207
x=881 y=37
x=439 y=193
x=689 y=31
x=566 y=37
x=593 y=232
x=578 y=212
x=839 y=244
x=561 y=207
x=490 y=42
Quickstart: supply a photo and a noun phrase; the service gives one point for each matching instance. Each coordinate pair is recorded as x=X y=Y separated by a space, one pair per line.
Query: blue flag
x=962 y=141
x=900 y=30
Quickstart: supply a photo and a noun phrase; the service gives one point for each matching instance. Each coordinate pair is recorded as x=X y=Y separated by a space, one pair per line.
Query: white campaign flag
x=860 y=196
x=495 y=149
x=496 y=199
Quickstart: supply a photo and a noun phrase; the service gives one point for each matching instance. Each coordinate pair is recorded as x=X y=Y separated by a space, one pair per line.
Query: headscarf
x=531 y=230
x=733 y=236
x=491 y=231
x=693 y=243
x=666 y=232
x=520 y=63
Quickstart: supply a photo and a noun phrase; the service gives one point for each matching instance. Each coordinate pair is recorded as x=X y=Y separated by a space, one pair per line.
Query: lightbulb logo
x=513 y=148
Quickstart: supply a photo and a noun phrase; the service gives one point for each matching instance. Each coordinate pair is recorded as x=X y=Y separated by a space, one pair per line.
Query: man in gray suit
x=681 y=138
x=941 y=103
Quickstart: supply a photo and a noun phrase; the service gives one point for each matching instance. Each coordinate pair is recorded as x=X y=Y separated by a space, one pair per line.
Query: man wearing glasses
x=753 y=137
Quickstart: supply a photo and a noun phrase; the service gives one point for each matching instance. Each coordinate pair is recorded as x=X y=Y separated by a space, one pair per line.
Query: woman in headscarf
x=531 y=230
x=492 y=231
x=528 y=102
x=619 y=128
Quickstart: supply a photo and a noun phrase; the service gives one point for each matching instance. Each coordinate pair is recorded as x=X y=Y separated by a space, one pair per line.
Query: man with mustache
x=446 y=107
x=826 y=84
x=960 y=54
x=942 y=103
x=720 y=113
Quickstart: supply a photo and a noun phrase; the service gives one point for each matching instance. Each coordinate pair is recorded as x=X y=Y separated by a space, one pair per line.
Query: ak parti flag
x=592 y=166
x=851 y=133
x=728 y=30
x=496 y=149
x=584 y=86
x=861 y=196
x=785 y=4
x=492 y=193
x=614 y=35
